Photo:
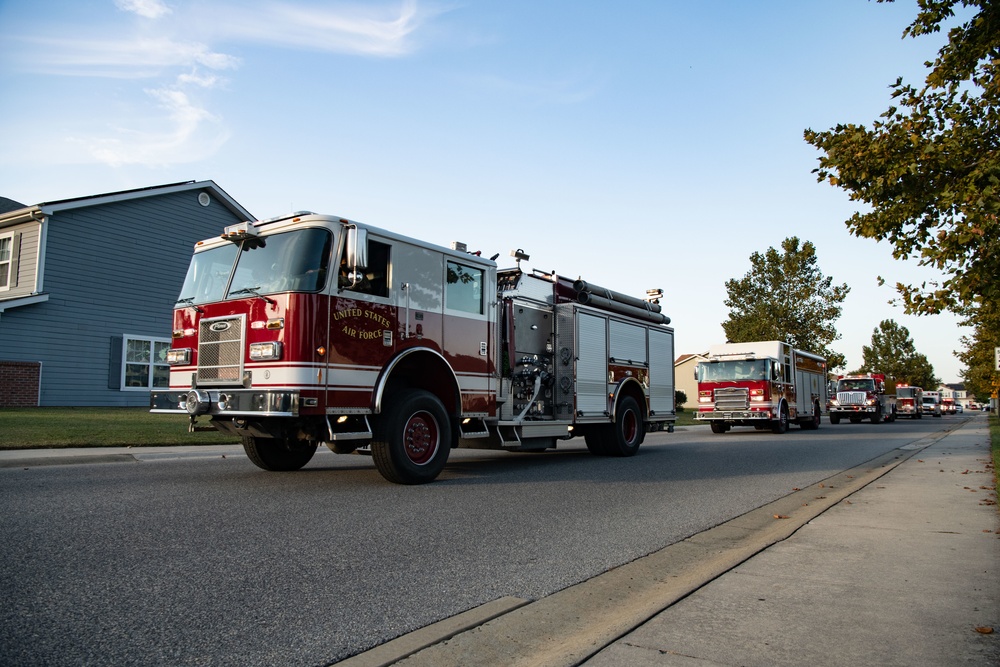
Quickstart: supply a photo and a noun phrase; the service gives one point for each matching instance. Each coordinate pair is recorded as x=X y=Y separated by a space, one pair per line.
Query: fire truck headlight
x=265 y=351
x=834 y=401
x=704 y=397
x=179 y=357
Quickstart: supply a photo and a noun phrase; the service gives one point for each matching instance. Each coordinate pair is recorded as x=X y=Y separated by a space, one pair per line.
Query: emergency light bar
x=237 y=233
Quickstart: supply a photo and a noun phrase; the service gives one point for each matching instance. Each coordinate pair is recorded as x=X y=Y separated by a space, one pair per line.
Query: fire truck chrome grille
x=220 y=351
x=733 y=398
x=851 y=397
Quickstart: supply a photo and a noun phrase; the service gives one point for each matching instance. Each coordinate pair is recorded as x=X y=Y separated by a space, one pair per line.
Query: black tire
x=278 y=455
x=718 y=427
x=834 y=419
x=877 y=416
x=628 y=431
x=596 y=439
x=412 y=438
x=813 y=423
x=780 y=425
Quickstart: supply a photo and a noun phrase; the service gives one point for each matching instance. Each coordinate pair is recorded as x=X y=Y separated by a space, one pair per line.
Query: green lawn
x=33 y=428
x=995 y=440
x=30 y=428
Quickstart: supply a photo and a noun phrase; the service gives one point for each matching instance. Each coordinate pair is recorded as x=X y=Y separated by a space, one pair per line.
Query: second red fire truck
x=312 y=329
x=765 y=384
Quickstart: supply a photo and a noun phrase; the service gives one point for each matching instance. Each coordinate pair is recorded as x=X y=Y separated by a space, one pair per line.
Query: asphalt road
x=209 y=560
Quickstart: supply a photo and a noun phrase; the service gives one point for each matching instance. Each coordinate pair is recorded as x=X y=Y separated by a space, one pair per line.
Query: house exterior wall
x=111 y=271
x=684 y=380
x=25 y=244
x=19 y=384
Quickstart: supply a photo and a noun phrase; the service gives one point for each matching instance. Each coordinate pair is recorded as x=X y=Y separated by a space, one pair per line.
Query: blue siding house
x=87 y=289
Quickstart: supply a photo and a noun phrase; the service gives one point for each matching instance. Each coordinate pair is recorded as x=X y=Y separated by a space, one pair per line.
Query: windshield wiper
x=188 y=301
x=252 y=290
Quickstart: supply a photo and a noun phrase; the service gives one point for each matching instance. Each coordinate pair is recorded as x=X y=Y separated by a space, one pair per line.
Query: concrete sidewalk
x=905 y=571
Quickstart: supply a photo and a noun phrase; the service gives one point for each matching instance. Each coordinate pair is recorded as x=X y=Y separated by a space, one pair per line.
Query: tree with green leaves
x=893 y=352
x=786 y=297
x=929 y=168
x=977 y=355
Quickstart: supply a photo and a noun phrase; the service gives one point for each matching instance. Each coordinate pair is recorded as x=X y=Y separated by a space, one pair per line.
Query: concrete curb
x=571 y=625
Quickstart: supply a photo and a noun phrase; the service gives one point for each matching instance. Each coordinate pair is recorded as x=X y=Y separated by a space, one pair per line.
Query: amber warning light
x=237 y=233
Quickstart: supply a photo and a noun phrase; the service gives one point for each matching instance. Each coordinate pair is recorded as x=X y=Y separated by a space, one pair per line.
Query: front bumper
x=226 y=402
x=852 y=409
x=734 y=415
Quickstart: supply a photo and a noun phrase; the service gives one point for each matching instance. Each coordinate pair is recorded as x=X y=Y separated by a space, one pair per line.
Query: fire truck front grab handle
x=405 y=287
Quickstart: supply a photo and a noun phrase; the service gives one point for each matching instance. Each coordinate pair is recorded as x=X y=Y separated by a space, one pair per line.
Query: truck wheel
x=718 y=427
x=780 y=425
x=278 y=455
x=627 y=433
x=834 y=419
x=813 y=423
x=412 y=438
x=596 y=440
x=877 y=416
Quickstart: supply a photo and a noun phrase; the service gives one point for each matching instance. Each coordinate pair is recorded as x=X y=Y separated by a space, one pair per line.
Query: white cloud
x=140 y=57
x=362 y=30
x=191 y=134
x=150 y=9
x=179 y=53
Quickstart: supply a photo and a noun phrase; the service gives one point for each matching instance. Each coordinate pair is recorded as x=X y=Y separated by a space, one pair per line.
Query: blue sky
x=637 y=144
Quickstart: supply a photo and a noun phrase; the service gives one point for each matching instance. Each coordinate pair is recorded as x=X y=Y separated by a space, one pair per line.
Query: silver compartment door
x=591 y=365
x=661 y=372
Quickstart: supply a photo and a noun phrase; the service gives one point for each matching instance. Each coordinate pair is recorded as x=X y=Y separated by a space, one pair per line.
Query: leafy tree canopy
x=977 y=355
x=786 y=297
x=892 y=352
x=929 y=168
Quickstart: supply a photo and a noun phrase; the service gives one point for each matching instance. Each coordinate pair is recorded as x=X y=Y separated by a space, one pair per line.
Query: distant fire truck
x=766 y=384
x=862 y=397
x=909 y=401
x=311 y=329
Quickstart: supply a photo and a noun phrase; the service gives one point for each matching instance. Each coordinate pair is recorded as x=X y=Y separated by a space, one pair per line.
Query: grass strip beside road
x=41 y=428
x=38 y=428
x=995 y=446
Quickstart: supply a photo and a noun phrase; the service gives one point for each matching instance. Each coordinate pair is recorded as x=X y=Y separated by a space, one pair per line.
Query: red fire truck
x=909 y=401
x=765 y=384
x=311 y=329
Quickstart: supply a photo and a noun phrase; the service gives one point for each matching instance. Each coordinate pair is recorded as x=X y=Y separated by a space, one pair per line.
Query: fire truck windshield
x=289 y=261
x=742 y=369
x=856 y=384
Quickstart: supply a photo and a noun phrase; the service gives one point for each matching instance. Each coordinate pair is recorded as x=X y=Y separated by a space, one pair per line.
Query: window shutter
x=15 y=257
x=115 y=370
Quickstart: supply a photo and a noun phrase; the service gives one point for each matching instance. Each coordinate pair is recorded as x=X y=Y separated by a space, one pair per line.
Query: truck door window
x=464 y=288
x=373 y=279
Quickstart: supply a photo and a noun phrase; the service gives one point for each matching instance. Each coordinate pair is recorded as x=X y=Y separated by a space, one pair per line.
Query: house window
x=144 y=364
x=6 y=261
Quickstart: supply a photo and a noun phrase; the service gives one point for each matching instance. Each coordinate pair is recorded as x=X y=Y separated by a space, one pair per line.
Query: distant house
x=87 y=289
x=955 y=392
x=684 y=367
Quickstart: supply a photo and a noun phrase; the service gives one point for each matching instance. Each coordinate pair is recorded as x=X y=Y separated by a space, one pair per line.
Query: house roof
x=685 y=357
x=23 y=213
x=8 y=205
